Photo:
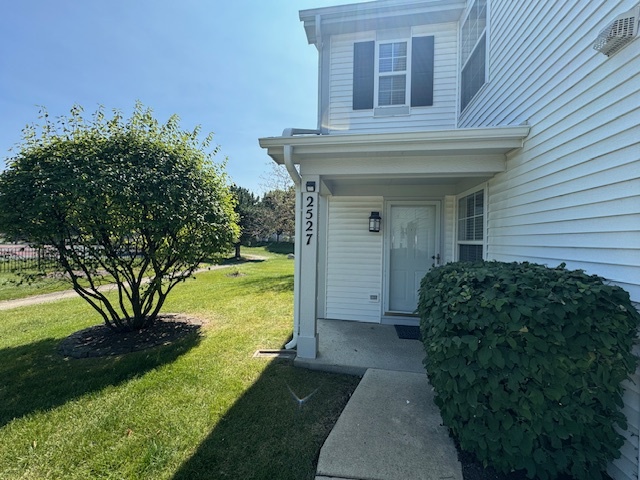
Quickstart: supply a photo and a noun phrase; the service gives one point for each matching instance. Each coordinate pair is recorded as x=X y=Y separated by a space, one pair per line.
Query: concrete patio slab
x=353 y=347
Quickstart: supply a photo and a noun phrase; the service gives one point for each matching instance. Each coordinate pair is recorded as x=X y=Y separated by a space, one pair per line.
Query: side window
x=473 y=46
x=398 y=65
x=471 y=227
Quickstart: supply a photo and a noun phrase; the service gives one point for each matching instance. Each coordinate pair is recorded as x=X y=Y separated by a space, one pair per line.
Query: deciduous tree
x=129 y=201
x=278 y=208
x=248 y=210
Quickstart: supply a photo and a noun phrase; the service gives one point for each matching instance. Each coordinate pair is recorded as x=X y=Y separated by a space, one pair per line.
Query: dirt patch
x=236 y=274
x=101 y=341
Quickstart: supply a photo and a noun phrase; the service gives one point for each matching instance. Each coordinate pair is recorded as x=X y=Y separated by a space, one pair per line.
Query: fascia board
x=494 y=140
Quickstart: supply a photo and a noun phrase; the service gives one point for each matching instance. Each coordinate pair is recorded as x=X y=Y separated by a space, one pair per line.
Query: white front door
x=413 y=247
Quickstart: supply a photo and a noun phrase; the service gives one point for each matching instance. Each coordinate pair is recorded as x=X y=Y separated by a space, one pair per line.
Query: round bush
x=527 y=361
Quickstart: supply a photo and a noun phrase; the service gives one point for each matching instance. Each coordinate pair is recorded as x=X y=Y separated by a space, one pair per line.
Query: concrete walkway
x=390 y=430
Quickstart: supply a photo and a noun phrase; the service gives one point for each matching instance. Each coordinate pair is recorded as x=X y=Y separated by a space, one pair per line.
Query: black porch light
x=374 y=222
x=311 y=186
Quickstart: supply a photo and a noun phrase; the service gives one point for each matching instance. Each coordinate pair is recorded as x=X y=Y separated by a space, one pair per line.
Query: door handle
x=436 y=257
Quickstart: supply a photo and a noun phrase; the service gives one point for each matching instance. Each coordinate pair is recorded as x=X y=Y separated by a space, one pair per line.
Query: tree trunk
x=237 y=245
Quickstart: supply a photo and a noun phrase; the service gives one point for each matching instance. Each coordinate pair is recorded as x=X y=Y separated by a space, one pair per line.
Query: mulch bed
x=101 y=341
x=472 y=469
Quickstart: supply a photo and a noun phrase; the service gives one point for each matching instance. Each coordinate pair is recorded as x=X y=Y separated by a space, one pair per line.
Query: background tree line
x=270 y=217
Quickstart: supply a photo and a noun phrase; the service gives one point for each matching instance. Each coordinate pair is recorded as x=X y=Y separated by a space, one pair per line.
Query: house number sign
x=310 y=214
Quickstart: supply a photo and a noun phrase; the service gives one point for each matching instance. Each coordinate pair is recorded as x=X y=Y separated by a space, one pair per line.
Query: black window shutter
x=422 y=72
x=363 y=75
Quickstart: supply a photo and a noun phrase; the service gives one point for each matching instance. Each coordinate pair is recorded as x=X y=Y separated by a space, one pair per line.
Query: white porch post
x=307 y=236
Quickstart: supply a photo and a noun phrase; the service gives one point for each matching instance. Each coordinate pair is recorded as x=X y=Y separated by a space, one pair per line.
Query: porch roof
x=494 y=141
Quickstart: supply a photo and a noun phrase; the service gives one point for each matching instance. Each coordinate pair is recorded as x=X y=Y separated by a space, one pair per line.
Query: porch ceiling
x=493 y=142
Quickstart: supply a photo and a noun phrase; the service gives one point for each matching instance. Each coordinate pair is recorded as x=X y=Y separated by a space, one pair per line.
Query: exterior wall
x=354 y=260
x=341 y=116
x=572 y=194
x=449 y=237
x=626 y=467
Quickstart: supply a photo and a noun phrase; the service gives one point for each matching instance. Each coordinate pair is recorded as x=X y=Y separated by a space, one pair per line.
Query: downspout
x=297 y=181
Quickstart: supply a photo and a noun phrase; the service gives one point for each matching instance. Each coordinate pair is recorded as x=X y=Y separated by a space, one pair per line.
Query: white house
x=489 y=129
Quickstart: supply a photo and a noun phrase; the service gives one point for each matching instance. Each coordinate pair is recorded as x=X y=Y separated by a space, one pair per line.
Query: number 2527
x=309 y=219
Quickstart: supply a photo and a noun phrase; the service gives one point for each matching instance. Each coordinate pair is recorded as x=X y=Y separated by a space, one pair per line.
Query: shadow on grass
x=280 y=247
x=266 y=435
x=35 y=377
x=276 y=284
x=240 y=261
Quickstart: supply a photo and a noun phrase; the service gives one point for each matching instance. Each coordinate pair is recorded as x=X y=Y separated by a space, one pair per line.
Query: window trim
x=378 y=74
x=479 y=188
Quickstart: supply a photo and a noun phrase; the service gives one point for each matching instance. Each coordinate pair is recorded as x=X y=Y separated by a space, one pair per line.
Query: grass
x=11 y=286
x=201 y=408
x=14 y=285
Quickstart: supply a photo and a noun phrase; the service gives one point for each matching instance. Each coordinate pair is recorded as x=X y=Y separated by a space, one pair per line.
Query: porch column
x=307 y=236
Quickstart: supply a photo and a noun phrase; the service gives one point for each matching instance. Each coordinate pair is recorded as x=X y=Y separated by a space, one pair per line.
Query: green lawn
x=11 y=287
x=15 y=285
x=201 y=408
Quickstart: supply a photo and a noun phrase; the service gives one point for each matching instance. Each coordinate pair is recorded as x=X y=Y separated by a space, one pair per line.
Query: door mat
x=407 y=332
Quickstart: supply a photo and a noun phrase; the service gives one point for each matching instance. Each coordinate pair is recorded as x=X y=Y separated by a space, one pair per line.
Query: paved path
x=391 y=429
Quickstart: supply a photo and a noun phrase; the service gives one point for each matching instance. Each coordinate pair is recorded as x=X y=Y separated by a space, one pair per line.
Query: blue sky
x=239 y=68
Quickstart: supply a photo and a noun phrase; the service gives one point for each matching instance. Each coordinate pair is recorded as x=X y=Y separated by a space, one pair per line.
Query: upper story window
x=389 y=74
x=473 y=46
x=392 y=74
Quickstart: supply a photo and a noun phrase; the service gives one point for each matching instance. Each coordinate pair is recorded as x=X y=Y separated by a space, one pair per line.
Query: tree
x=278 y=204
x=277 y=179
x=279 y=212
x=127 y=201
x=248 y=211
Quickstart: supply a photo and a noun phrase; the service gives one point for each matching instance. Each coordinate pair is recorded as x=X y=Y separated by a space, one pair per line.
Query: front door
x=413 y=240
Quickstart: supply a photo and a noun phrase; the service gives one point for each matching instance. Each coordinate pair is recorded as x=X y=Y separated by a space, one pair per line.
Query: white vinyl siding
x=442 y=114
x=449 y=216
x=354 y=260
x=572 y=193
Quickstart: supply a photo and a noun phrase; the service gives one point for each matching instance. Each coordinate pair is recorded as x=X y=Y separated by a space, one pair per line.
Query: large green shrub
x=134 y=203
x=527 y=362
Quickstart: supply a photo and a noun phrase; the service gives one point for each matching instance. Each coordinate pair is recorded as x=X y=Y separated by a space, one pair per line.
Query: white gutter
x=297 y=180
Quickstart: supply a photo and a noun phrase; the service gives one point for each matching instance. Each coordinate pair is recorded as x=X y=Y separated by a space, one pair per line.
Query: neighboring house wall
x=354 y=268
x=343 y=118
x=572 y=193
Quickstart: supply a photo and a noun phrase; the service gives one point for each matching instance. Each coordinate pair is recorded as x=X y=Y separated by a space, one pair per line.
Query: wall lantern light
x=311 y=186
x=374 y=222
